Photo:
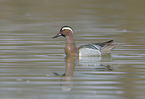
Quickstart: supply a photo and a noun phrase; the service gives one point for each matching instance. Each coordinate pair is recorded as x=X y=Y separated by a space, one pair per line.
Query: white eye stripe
x=67 y=28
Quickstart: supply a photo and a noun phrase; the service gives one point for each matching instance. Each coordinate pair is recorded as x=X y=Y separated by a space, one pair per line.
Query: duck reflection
x=96 y=63
x=67 y=79
x=92 y=63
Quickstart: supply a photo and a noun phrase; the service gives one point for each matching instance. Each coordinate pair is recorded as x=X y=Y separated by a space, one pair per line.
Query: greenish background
x=31 y=62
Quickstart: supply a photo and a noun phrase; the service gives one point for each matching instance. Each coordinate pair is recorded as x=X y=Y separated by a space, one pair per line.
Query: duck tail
x=109 y=48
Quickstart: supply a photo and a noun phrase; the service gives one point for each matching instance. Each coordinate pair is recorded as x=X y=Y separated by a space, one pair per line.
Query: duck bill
x=58 y=35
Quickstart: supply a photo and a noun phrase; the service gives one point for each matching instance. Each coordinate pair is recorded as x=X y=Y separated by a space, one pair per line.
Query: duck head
x=64 y=31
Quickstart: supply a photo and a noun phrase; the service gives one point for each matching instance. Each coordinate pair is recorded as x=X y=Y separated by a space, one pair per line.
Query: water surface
x=33 y=65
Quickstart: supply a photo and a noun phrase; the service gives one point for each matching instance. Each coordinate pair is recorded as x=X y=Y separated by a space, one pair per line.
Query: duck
x=93 y=49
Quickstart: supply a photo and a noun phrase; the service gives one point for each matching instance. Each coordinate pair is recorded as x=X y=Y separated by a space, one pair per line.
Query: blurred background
x=32 y=64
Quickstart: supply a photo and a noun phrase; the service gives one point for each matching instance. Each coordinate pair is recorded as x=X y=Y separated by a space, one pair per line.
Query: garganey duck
x=93 y=49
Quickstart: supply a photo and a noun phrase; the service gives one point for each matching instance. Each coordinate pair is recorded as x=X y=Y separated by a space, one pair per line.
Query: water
x=32 y=64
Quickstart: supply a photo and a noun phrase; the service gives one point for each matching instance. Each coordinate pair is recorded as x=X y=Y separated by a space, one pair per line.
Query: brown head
x=70 y=47
x=64 y=31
